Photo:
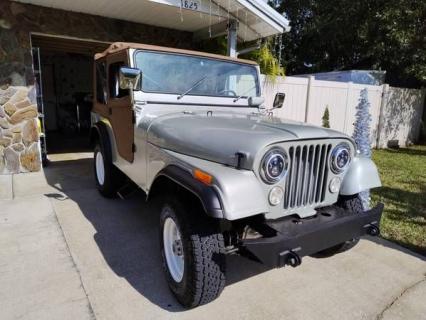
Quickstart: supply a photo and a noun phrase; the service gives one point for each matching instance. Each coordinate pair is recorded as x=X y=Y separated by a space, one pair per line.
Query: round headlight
x=340 y=158
x=274 y=166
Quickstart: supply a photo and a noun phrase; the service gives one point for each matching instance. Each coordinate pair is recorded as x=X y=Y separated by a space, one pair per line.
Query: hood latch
x=240 y=156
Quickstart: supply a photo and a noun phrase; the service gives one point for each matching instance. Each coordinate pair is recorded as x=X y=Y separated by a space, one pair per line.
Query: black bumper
x=295 y=238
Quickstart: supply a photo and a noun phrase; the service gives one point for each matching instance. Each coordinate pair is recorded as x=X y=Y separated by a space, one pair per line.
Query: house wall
x=19 y=146
x=18 y=20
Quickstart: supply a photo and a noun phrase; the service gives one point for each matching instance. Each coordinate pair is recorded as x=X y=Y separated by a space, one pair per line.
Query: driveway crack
x=390 y=304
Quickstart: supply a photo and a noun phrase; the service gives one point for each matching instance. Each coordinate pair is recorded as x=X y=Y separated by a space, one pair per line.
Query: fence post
x=383 y=103
x=308 y=94
x=348 y=96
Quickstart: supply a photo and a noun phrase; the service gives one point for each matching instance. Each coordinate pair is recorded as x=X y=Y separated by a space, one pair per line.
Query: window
x=101 y=90
x=176 y=74
x=114 y=81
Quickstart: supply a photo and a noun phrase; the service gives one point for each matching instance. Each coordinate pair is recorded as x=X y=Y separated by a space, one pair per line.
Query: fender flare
x=362 y=175
x=207 y=195
x=100 y=130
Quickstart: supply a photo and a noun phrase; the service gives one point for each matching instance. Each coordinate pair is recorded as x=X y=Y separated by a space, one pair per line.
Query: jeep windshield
x=170 y=73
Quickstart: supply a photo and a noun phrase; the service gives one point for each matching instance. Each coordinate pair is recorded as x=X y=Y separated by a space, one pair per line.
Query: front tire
x=107 y=176
x=193 y=252
x=351 y=203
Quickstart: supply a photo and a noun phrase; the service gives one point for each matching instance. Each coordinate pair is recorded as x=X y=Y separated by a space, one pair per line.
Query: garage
x=63 y=70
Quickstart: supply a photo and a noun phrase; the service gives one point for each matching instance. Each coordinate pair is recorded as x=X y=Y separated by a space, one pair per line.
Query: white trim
x=267 y=13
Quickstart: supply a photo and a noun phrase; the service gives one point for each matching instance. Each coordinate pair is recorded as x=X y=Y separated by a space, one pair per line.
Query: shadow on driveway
x=127 y=233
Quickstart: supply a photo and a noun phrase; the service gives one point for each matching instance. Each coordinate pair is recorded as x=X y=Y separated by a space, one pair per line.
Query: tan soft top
x=118 y=46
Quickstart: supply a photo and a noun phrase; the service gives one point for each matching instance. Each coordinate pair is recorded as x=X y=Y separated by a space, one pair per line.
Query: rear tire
x=107 y=177
x=352 y=203
x=194 y=259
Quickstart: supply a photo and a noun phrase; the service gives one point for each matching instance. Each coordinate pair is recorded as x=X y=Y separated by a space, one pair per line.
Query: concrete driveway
x=68 y=253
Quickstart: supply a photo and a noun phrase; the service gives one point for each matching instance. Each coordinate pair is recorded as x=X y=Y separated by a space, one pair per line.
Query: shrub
x=326 y=118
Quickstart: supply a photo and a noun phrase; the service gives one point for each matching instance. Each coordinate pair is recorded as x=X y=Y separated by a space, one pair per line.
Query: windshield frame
x=257 y=78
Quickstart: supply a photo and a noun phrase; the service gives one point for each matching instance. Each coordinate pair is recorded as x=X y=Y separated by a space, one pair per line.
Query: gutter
x=269 y=12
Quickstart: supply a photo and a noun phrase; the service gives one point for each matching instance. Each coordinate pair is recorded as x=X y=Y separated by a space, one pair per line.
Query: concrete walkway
x=66 y=252
x=38 y=277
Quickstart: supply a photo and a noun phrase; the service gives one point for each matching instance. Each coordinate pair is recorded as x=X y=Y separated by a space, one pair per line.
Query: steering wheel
x=229 y=91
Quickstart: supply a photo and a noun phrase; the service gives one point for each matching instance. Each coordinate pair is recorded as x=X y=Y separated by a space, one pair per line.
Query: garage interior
x=66 y=80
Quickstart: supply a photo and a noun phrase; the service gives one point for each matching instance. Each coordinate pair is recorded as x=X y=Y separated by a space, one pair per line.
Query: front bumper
x=294 y=238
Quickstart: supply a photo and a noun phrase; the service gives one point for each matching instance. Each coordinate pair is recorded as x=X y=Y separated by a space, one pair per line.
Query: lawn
x=403 y=174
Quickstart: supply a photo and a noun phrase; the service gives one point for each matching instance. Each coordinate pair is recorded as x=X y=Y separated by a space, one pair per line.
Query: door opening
x=66 y=67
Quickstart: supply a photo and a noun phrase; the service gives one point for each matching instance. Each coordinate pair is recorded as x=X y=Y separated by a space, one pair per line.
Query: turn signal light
x=203 y=177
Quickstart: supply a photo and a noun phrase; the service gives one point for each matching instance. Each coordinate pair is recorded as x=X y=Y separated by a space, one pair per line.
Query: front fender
x=207 y=195
x=238 y=191
x=362 y=175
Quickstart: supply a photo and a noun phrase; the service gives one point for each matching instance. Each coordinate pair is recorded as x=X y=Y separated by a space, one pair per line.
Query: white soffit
x=256 y=18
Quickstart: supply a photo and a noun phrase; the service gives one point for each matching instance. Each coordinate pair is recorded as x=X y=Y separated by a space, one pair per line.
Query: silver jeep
x=191 y=131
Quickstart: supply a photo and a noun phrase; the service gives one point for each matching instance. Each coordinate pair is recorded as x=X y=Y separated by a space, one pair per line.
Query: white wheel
x=100 y=169
x=193 y=252
x=173 y=249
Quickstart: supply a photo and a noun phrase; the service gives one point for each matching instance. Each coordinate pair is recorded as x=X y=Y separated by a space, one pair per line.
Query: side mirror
x=279 y=100
x=129 y=77
x=255 y=101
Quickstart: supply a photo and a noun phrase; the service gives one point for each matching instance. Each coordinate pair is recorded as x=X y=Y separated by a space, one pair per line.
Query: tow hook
x=293 y=259
x=373 y=230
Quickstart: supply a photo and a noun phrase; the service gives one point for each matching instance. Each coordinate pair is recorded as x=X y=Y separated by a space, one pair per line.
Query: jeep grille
x=307 y=176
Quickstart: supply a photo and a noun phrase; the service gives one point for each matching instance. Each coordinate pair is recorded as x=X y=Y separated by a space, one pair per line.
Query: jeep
x=227 y=177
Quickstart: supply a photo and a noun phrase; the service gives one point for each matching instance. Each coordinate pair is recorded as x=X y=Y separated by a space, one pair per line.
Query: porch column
x=232 y=38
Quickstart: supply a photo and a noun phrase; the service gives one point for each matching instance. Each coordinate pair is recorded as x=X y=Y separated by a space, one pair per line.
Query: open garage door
x=63 y=69
x=50 y=43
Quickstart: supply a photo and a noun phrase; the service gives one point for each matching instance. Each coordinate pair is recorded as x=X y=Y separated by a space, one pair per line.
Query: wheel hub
x=177 y=248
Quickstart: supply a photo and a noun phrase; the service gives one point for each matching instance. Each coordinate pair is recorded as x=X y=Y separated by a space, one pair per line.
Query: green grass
x=403 y=174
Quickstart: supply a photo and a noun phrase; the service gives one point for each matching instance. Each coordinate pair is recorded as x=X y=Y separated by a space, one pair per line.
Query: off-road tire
x=204 y=253
x=354 y=204
x=113 y=178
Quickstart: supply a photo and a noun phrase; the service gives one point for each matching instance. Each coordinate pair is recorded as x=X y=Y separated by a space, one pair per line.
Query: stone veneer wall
x=19 y=136
x=19 y=147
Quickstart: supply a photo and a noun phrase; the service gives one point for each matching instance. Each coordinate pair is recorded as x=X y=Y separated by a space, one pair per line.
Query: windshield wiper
x=192 y=87
x=242 y=95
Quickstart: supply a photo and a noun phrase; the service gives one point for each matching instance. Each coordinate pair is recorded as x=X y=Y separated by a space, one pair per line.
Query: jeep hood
x=218 y=136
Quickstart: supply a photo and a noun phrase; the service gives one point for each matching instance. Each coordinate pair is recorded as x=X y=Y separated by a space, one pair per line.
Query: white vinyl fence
x=395 y=112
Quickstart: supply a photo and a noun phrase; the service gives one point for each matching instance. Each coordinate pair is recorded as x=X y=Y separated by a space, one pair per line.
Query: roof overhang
x=256 y=19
